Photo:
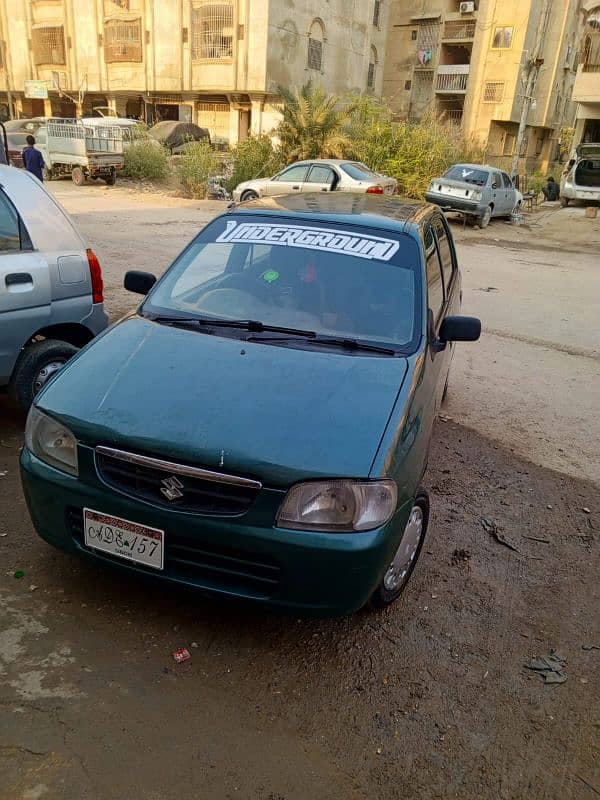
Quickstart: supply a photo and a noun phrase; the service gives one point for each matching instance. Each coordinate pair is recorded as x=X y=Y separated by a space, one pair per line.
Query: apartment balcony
x=459 y=31
x=452 y=78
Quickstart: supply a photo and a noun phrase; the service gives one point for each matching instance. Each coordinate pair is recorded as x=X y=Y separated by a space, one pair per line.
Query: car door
x=498 y=194
x=24 y=287
x=288 y=181
x=321 y=178
x=510 y=193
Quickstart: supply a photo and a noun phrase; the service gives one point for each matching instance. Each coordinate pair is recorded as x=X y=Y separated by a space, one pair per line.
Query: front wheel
x=484 y=219
x=399 y=571
x=78 y=176
x=37 y=364
x=564 y=202
x=48 y=174
x=111 y=179
x=249 y=195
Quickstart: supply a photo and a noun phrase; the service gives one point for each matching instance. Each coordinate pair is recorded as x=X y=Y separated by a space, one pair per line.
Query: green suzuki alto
x=260 y=426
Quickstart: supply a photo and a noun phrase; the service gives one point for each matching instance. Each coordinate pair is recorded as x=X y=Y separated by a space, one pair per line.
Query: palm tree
x=313 y=124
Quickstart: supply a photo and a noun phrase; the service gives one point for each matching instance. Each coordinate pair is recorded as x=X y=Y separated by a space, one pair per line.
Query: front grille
x=201 y=562
x=175 y=486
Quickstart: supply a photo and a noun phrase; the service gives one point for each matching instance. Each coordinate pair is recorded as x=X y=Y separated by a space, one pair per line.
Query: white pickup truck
x=83 y=151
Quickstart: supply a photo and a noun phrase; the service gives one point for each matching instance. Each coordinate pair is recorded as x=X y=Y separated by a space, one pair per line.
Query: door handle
x=18 y=277
x=295 y=187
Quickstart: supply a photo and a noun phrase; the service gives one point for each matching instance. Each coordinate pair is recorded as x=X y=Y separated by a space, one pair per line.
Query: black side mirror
x=460 y=329
x=139 y=282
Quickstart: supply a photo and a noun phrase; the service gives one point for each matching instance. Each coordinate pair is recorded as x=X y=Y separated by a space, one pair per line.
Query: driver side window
x=297 y=173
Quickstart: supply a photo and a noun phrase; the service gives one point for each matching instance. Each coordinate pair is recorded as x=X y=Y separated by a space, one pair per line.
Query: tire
x=78 y=176
x=484 y=219
x=564 y=202
x=111 y=179
x=36 y=365
x=392 y=585
x=249 y=195
x=48 y=174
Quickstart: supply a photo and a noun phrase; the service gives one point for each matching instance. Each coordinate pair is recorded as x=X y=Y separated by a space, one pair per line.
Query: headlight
x=341 y=505
x=51 y=442
x=476 y=194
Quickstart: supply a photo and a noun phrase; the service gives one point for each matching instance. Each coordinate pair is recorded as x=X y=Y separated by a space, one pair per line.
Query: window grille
x=502 y=38
x=212 y=31
x=376 y=13
x=48 y=45
x=315 y=46
x=122 y=40
x=493 y=92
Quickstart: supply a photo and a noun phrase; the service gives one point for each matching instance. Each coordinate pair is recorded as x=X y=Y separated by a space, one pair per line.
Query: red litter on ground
x=183 y=654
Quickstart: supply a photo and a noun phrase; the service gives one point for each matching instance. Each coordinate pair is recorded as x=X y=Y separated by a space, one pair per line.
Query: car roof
x=326 y=161
x=388 y=212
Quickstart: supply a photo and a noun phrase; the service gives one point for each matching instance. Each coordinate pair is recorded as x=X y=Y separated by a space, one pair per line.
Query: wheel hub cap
x=405 y=555
x=44 y=375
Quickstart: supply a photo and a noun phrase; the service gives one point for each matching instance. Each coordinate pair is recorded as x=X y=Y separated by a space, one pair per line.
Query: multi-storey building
x=214 y=62
x=586 y=92
x=471 y=61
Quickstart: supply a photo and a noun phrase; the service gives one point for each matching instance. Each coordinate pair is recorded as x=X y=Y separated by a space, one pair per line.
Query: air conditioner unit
x=467 y=7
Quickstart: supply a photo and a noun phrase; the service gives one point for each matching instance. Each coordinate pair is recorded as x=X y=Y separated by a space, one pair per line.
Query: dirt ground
x=430 y=699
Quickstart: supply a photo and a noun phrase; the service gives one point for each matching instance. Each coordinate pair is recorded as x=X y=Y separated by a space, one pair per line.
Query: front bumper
x=448 y=203
x=308 y=573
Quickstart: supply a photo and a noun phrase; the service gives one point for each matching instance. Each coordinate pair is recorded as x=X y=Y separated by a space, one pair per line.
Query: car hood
x=275 y=413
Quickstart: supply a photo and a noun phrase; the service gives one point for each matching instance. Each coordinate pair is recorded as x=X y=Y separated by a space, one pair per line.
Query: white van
x=581 y=178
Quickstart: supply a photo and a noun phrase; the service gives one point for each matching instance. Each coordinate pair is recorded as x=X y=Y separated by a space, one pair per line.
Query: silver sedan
x=320 y=175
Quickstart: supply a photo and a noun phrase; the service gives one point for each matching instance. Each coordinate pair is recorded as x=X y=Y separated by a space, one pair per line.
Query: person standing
x=33 y=159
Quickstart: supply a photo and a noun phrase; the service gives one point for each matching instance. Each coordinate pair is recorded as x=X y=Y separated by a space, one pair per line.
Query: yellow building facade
x=586 y=92
x=214 y=62
x=471 y=62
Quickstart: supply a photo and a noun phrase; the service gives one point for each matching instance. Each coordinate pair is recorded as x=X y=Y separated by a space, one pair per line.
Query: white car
x=581 y=179
x=320 y=175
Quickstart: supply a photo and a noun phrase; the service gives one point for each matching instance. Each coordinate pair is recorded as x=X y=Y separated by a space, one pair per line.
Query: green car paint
x=277 y=415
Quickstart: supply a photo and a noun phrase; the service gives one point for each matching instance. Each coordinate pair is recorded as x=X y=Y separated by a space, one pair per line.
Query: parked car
x=175 y=136
x=320 y=175
x=478 y=191
x=128 y=127
x=17 y=131
x=50 y=286
x=260 y=426
x=581 y=178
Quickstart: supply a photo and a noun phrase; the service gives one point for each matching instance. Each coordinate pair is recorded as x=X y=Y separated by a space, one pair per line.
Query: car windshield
x=360 y=172
x=325 y=278
x=467 y=174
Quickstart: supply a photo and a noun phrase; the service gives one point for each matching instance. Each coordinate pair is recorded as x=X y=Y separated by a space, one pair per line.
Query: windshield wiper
x=335 y=341
x=252 y=325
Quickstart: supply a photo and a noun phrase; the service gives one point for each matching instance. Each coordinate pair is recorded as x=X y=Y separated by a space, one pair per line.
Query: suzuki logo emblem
x=171 y=488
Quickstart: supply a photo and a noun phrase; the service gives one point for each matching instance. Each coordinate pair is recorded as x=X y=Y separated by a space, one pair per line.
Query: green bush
x=411 y=152
x=198 y=163
x=144 y=158
x=253 y=158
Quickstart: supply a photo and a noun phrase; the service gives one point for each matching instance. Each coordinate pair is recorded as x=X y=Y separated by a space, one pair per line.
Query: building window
x=372 y=68
x=316 y=36
x=122 y=40
x=590 y=53
x=502 y=38
x=376 y=13
x=493 y=92
x=407 y=85
x=48 y=45
x=508 y=146
x=111 y=5
x=413 y=36
x=212 y=31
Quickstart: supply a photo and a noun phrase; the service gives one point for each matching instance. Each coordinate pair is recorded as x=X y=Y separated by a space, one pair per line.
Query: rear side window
x=10 y=228
x=320 y=174
x=507 y=181
x=445 y=252
x=435 y=288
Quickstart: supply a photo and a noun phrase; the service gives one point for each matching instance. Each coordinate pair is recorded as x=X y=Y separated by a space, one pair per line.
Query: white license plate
x=121 y=537
x=452 y=191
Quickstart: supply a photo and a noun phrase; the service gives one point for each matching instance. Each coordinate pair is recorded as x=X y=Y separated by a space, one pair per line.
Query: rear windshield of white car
x=359 y=172
x=329 y=278
x=467 y=174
